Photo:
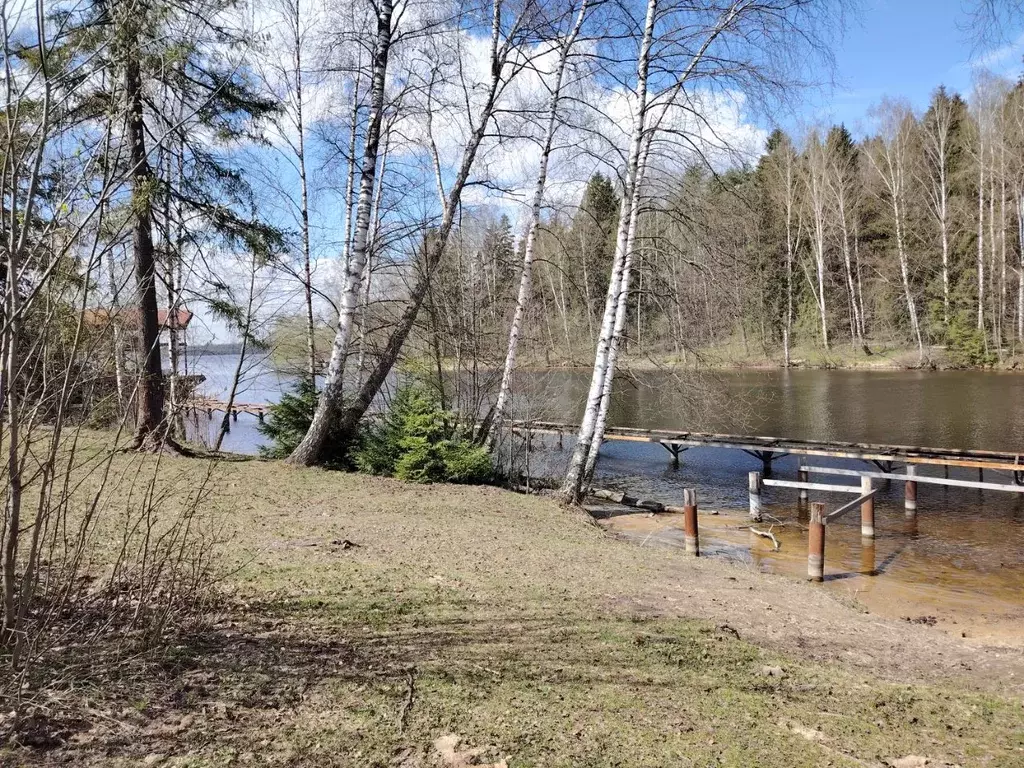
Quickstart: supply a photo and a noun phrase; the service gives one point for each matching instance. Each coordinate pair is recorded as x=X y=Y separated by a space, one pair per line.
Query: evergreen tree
x=168 y=72
x=592 y=239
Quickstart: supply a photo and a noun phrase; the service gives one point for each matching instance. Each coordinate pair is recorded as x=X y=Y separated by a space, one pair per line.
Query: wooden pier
x=770 y=449
x=211 y=406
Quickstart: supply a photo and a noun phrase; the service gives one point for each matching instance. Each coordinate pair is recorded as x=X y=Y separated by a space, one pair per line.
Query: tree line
x=909 y=237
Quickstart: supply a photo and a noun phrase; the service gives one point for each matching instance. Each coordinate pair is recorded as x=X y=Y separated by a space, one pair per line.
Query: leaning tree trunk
x=575 y=475
x=310 y=448
x=915 y=325
x=150 y=431
x=434 y=246
x=526 y=276
x=617 y=333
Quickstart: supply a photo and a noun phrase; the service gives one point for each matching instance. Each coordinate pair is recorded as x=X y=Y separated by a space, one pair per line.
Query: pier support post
x=259 y=415
x=816 y=543
x=754 y=487
x=910 y=494
x=867 y=558
x=867 y=509
x=691 y=535
x=802 y=476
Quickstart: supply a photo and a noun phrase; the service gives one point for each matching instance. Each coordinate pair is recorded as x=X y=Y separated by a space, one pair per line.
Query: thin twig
x=404 y=716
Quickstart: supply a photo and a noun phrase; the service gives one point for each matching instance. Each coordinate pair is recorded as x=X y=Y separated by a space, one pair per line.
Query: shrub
x=417 y=440
x=965 y=343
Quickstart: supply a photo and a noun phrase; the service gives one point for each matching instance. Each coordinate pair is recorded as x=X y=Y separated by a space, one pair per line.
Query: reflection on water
x=962 y=560
x=954 y=409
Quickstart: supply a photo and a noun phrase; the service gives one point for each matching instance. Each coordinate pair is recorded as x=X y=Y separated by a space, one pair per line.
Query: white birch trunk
x=817 y=199
x=619 y=327
x=981 y=241
x=526 y=276
x=591 y=432
x=309 y=449
x=350 y=180
x=891 y=165
x=300 y=125
x=575 y=473
x=791 y=245
x=944 y=230
x=1020 y=269
x=499 y=56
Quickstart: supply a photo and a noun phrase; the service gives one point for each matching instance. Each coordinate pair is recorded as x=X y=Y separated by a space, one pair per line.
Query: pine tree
x=185 y=104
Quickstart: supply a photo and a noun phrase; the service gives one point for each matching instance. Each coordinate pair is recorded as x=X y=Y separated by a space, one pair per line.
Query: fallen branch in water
x=767 y=535
x=618 y=497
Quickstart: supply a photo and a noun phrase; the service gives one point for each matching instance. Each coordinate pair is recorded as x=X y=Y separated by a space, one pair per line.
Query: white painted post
x=754 y=487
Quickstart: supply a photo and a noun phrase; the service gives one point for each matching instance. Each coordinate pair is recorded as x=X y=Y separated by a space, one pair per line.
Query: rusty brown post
x=754 y=487
x=867 y=509
x=690 y=522
x=816 y=543
x=867 y=558
x=801 y=475
x=910 y=495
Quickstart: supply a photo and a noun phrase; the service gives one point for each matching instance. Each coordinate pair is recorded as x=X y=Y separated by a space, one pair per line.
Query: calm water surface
x=962 y=560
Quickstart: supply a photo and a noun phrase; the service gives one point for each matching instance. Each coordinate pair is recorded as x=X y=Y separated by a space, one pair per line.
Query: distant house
x=128 y=318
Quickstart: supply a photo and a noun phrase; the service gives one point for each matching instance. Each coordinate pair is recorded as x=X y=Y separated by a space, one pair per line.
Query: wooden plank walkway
x=209 y=405
x=768 y=449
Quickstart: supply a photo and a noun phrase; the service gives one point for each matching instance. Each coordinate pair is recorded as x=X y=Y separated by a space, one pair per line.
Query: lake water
x=962 y=560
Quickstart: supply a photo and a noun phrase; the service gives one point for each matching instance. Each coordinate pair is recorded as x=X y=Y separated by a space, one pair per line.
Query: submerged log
x=618 y=497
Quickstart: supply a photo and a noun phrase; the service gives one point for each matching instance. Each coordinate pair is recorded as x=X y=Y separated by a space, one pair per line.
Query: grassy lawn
x=362 y=620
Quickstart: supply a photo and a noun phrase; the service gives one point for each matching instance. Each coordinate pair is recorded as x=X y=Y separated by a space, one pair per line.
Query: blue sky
x=905 y=48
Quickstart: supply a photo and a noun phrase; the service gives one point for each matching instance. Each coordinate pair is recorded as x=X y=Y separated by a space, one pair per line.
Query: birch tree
x=816 y=166
x=309 y=449
x=564 y=46
x=506 y=59
x=785 y=194
x=572 y=487
x=842 y=179
x=890 y=156
x=937 y=139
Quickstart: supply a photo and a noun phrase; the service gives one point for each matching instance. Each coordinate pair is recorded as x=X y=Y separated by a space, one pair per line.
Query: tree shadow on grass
x=253 y=670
